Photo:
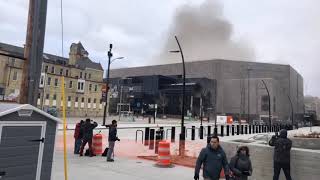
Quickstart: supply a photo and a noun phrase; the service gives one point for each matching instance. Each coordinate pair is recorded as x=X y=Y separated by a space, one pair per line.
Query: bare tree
x=163 y=102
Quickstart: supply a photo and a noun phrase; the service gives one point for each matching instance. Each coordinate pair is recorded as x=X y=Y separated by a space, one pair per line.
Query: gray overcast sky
x=276 y=31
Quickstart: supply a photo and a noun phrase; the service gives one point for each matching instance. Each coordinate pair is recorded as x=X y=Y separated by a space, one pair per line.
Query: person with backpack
x=281 y=157
x=112 y=139
x=240 y=165
x=213 y=158
x=78 y=134
x=87 y=128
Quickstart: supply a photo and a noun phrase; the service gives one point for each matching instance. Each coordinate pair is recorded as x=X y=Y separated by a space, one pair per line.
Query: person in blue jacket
x=213 y=158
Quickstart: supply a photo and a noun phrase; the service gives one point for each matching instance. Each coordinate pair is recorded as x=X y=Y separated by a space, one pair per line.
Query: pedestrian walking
x=240 y=165
x=78 y=134
x=213 y=159
x=112 y=139
x=281 y=158
x=87 y=128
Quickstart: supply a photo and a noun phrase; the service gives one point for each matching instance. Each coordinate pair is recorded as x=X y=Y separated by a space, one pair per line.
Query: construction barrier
x=164 y=157
x=97 y=144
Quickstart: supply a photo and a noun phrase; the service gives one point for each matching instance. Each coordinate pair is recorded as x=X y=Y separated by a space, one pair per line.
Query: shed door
x=21 y=149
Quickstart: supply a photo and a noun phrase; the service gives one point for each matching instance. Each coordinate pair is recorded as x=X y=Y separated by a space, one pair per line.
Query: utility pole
x=107 y=85
x=33 y=51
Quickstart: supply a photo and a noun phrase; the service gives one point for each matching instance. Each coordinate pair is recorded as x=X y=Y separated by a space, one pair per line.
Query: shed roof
x=7 y=108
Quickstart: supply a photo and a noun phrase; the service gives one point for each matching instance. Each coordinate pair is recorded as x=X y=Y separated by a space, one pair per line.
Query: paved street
x=96 y=168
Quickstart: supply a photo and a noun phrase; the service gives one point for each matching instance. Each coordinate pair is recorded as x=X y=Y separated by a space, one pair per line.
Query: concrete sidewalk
x=96 y=168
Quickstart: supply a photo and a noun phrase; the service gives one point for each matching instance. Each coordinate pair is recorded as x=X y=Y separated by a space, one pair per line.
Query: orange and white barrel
x=97 y=144
x=164 y=157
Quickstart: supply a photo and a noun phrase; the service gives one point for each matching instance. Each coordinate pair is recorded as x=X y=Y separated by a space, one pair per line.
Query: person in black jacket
x=112 y=139
x=87 y=129
x=281 y=158
x=240 y=164
x=213 y=159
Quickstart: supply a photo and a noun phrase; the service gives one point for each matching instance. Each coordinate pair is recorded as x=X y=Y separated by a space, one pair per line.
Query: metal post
x=201 y=132
x=238 y=129
x=215 y=130
x=232 y=130
x=246 y=129
x=173 y=134
x=161 y=133
x=241 y=131
x=107 y=85
x=158 y=138
x=249 y=129
x=222 y=130
x=146 y=136
x=182 y=135
x=209 y=130
x=193 y=132
x=151 y=143
x=228 y=130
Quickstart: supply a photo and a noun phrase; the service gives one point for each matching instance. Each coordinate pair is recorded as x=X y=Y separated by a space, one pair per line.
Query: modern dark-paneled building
x=226 y=88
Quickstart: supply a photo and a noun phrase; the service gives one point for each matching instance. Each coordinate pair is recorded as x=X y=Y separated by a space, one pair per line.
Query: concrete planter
x=306 y=143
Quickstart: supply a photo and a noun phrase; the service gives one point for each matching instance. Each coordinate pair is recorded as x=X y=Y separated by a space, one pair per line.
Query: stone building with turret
x=83 y=80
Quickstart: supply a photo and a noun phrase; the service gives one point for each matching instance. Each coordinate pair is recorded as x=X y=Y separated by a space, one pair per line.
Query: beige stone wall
x=11 y=74
x=92 y=94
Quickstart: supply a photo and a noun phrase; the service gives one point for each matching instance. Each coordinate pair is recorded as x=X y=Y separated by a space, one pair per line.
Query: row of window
x=70 y=98
x=66 y=72
x=80 y=85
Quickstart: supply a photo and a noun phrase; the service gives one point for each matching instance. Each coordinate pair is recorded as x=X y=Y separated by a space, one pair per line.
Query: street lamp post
x=107 y=85
x=182 y=135
x=269 y=102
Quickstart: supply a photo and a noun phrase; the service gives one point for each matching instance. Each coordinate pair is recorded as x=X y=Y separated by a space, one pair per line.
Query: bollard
x=232 y=130
x=242 y=129
x=215 y=131
x=193 y=132
x=253 y=129
x=146 y=136
x=158 y=138
x=209 y=131
x=161 y=133
x=222 y=129
x=246 y=129
x=151 y=142
x=173 y=134
x=228 y=130
x=238 y=129
x=257 y=129
x=249 y=129
x=201 y=132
